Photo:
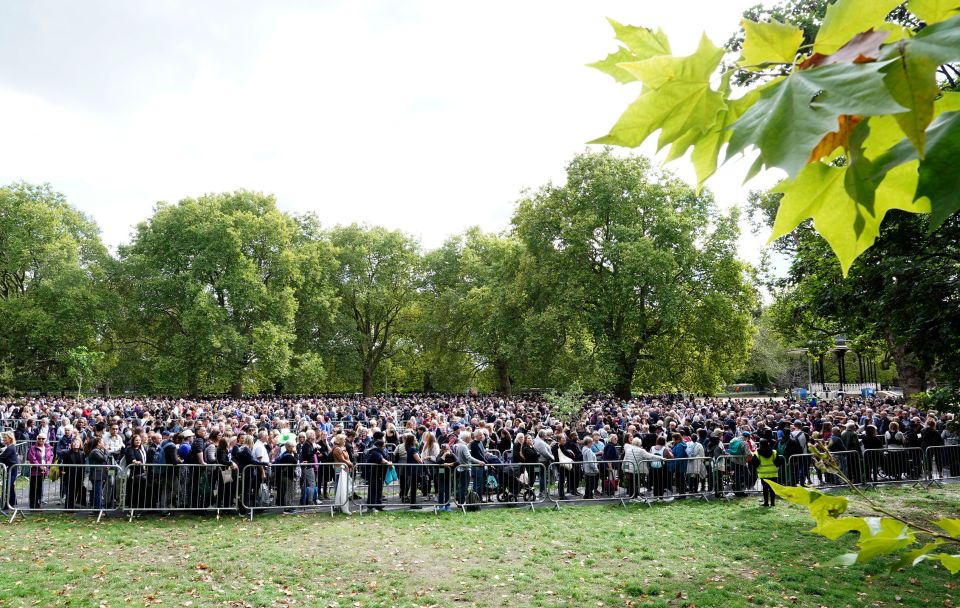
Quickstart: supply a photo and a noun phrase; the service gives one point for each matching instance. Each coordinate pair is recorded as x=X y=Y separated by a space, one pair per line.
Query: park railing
x=942 y=462
x=504 y=484
x=306 y=487
x=893 y=466
x=169 y=488
x=801 y=470
x=64 y=487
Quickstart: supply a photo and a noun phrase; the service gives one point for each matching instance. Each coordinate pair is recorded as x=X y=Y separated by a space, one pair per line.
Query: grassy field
x=680 y=554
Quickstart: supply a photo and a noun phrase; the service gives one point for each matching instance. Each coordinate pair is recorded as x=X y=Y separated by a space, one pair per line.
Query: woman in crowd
x=344 y=471
x=135 y=457
x=308 y=471
x=325 y=473
x=284 y=472
x=409 y=472
x=10 y=459
x=72 y=475
x=40 y=457
x=226 y=472
x=429 y=453
x=97 y=459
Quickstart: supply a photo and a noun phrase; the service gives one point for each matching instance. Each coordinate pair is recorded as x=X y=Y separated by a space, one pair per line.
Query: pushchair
x=504 y=480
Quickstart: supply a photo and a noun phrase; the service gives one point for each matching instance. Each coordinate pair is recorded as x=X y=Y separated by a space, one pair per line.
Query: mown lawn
x=681 y=554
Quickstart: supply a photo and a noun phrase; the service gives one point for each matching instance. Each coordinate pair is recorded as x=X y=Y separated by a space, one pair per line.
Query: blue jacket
x=679 y=466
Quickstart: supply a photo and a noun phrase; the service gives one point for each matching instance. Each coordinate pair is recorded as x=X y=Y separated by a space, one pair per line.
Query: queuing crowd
x=296 y=453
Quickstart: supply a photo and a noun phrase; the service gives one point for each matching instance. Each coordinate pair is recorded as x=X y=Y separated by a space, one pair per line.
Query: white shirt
x=260 y=452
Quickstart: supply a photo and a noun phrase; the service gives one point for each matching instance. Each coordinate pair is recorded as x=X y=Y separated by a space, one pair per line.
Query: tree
x=210 y=284
x=658 y=287
x=478 y=301
x=53 y=294
x=81 y=364
x=769 y=364
x=899 y=299
x=866 y=89
x=377 y=281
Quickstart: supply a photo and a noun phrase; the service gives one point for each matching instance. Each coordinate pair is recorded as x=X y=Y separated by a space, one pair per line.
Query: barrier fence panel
x=302 y=487
x=4 y=488
x=65 y=487
x=504 y=484
x=413 y=485
x=801 y=470
x=943 y=462
x=735 y=476
x=170 y=488
x=572 y=482
x=892 y=466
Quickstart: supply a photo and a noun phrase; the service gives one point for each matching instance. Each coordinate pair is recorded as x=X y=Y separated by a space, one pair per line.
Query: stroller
x=504 y=480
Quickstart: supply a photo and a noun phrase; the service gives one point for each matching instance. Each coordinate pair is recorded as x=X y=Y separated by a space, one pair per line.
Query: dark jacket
x=96 y=459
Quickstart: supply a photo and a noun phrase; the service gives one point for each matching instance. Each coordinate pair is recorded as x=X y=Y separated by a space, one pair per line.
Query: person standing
x=40 y=457
x=590 y=470
x=767 y=471
x=10 y=459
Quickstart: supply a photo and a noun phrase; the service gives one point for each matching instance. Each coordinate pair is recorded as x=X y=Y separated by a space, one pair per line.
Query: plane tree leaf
x=847 y=225
x=846 y=18
x=677 y=98
x=951 y=526
x=768 y=43
x=933 y=11
x=911 y=77
x=792 y=117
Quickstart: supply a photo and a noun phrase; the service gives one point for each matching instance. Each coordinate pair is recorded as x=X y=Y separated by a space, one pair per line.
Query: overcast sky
x=424 y=116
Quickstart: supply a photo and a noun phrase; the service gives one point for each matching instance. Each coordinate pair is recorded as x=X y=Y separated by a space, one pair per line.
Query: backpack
x=158 y=456
x=473 y=501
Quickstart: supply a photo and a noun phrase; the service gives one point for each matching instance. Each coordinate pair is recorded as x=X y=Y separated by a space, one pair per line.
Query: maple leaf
x=836 y=139
x=792 y=117
x=862 y=48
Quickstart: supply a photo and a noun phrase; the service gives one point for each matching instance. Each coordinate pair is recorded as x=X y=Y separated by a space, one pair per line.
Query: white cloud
x=424 y=116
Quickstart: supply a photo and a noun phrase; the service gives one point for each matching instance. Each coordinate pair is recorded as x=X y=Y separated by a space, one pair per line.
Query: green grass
x=678 y=555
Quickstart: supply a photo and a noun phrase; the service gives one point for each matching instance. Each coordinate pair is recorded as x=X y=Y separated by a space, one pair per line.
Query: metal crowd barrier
x=570 y=483
x=734 y=475
x=893 y=466
x=4 y=488
x=304 y=487
x=169 y=488
x=942 y=462
x=77 y=488
x=410 y=485
x=800 y=469
x=504 y=484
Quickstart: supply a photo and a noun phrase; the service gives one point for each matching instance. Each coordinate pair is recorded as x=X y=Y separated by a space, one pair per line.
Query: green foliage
x=878 y=536
x=859 y=71
x=209 y=285
x=53 y=288
x=649 y=269
x=81 y=364
x=567 y=405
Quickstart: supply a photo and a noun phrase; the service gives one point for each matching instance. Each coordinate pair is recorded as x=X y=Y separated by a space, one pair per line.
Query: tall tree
x=52 y=290
x=377 y=282
x=658 y=286
x=210 y=282
x=479 y=301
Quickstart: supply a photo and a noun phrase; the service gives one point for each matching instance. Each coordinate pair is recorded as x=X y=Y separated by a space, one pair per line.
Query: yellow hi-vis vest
x=768 y=466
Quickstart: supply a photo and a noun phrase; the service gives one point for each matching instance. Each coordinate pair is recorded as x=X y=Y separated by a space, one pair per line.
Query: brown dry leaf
x=835 y=139
x=202 y=566
x=862 y=48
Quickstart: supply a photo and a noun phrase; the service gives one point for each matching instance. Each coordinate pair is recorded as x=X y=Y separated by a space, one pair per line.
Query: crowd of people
x=292 y=454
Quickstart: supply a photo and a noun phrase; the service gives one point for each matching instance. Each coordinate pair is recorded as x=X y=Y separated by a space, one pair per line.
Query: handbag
x=524 y=478
x=226 y=475
x=565 y=461
x=54 y=473
x=391 y=476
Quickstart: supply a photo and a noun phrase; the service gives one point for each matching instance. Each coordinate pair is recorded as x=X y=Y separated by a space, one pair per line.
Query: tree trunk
x=367 y=382
x=625 y=370
x=503 y=377
x=236 y=390
x=427 y=382
x=913 y=378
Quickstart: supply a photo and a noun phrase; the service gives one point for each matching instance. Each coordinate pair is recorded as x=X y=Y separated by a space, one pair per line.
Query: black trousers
x=769 y=496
